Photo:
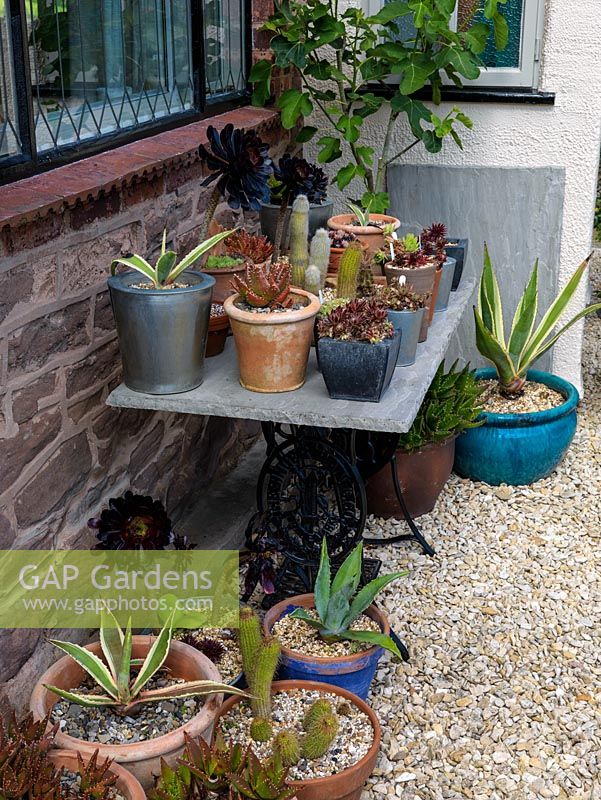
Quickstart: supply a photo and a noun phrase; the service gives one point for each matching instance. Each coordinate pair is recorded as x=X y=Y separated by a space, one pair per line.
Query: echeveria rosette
x=339 y=602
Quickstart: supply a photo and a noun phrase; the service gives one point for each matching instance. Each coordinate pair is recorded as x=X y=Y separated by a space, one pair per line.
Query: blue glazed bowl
x=519 y=449
x=354 y=672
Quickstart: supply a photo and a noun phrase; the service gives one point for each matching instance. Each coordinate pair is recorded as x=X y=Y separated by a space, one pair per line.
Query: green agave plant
x=167 y=269
x=338 y=603
x=123 y=688
x=527 y=342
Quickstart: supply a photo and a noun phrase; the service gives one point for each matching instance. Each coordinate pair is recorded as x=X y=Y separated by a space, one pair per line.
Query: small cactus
x=299 y=232
x=260 y=730
x=319 y=253
x=287 y=746
x=313 y=279
x=298 y=276
x=320 y=736
x=365 y=281
x=260 y=658
x=249 y=638
x=348 y=271
x=320 y=708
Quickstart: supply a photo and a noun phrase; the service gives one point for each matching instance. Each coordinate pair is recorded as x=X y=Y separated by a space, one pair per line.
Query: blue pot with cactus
x=337 y=634
x=525 y=434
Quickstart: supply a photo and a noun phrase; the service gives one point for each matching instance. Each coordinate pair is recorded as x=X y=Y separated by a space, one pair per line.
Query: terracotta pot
x=336 y=254
x=126 y=784
x=370 y=234
x=223 y=279
x=332 y=280
x=422 y=476
x=422 y=280
x=273 y=348
x=345 y=785
x=142 y=758
x=354 y=672
x=219 y=327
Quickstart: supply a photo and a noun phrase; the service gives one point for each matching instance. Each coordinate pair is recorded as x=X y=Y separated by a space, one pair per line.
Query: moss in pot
x=106 y=662
x=317 y=730
x=337 y=634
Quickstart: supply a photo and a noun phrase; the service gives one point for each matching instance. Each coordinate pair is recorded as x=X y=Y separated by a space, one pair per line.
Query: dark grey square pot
x=459 y=253
x=357 y=370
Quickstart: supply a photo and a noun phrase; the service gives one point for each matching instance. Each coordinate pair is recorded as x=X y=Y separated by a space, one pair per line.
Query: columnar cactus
x=321 y=728
x=348 y=271
x=299 y=232
x=260 y=658
x=298 y=276
x=287 y=746
x=313 y=279
x=319 y=253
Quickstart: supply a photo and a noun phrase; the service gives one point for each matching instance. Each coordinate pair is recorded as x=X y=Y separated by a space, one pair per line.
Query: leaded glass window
x=10 y=143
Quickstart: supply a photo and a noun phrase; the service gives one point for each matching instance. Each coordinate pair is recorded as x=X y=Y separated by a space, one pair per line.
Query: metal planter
x=446 y=282
x=458 y=251
x=162 y=332
x=409 y=324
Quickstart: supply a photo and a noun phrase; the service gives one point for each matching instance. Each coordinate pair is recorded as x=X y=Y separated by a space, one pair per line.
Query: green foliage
x=222 y=772
x=339 y=602
x=260 y=657
x=118 y=688
x=527 y=342
x=167 y=269
x=299 y=232
x=335 y=302
x=223 y=262
x=286 y=745
x=348 y=270
x=368 y=50
x=265 y=287
x=449 y=407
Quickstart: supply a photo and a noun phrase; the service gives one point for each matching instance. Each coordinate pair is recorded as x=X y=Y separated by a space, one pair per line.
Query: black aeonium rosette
x=295 y=176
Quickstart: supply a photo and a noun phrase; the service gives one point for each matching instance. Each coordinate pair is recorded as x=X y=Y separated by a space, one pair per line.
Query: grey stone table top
x=221 y=395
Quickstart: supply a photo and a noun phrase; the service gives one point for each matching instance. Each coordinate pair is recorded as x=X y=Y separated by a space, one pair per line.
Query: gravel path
x=501 y=698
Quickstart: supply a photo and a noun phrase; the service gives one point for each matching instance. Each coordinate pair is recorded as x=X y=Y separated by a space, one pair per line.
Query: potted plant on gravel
x=131 y=712
x=424 y=458
x=273 y=328
x=328 y=737
x=369 y=228
x=357 y=350
x=406 y=311
x=162 y=318
x=31 y=770
x=337 y=634
x=294 y=176
x=529 y=416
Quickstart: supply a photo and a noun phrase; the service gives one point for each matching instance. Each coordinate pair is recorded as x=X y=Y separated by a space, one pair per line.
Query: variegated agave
x=527 y=341
x=120 y=687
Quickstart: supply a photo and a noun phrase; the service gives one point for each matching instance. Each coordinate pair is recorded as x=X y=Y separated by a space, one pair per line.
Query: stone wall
x=63 y=453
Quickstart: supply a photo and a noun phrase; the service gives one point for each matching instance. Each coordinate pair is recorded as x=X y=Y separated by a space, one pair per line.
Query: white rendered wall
x=566 y=135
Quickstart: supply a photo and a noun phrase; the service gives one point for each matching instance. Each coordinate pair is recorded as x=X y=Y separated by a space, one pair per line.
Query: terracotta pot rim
x=227 y=271
x=307 y=601
x=324 y=688
x=341 y=250
x=430 y=446
x=342 y=222
x=137 y=750
x=219 y=322
x=125 y=779
x=273 y=318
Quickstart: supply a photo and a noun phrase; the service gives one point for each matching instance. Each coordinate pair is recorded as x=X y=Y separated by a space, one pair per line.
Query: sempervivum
x=362 y=320
x=133 y=522
x=434 y=240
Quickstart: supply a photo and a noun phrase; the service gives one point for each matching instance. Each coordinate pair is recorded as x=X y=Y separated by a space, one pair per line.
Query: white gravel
x=501 y=697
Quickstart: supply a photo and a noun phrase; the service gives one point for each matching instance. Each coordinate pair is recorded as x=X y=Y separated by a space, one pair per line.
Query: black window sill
x=480 y=94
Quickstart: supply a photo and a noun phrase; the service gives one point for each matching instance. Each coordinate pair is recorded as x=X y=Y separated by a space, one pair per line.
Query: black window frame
x=29 y=162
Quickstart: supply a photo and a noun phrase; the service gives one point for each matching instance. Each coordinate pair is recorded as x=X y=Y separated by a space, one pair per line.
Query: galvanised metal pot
x=519 y=449
x=457 y=249
x=444 y=287
x=354 y=672
x=409 y=324
x=162 y=332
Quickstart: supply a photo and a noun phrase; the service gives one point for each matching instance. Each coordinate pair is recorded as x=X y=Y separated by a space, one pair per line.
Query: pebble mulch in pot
x=298 y=636
x=71 y=783
x=226 y=656
x=104 y=726
x=536 y=397
x=354 y=739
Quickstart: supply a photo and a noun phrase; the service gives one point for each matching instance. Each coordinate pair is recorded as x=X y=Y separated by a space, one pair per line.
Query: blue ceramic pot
x=519 y=449
x=354 y=672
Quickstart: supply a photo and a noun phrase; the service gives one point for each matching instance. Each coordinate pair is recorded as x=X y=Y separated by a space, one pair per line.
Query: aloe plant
x=527 y=341
x=119 y=688
x=338 y=603
x=167 y=269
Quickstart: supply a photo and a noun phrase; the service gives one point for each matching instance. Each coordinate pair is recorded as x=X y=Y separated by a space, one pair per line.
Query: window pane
x=224 y=47
x=9 y=138
x=99 y=66
x=512 y=10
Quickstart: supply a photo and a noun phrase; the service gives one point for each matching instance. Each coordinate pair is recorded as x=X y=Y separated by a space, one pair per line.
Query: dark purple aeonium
x=295 y=176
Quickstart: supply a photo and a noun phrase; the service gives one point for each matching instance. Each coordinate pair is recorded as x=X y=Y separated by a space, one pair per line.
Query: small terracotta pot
x=126 y=784
x=223 y=279
x=354 y=672
x=421 y=280
x=142 y=758
x=370 y=234
x=422 y=476
x=345 y=785
x=336 y=254
x=273 y=348
x=219 y=327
